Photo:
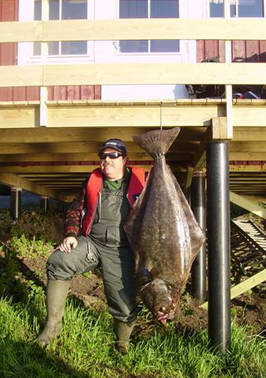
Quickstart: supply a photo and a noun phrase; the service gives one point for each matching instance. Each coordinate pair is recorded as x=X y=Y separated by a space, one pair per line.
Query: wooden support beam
x=247 y=156
x=189 y=177
x=260 y=167
x=75 y=30
x=16 y=181
x=90 y=134
x=248 y=204
x=104 y=114
x=220 y=128
x=181 y=113
x=132 y=73
x=244 y=286
x=244 y=147
x=71 y=169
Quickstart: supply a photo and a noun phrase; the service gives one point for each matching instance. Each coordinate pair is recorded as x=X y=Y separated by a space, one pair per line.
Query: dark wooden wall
x=247 y=51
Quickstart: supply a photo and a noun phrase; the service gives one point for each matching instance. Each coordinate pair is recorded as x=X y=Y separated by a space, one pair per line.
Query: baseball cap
x=116 y=144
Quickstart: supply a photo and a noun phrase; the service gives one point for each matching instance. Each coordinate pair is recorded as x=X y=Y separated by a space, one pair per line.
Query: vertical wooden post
x=44 y=204
x=44 y=55
x=15 y=203
x=228 y=88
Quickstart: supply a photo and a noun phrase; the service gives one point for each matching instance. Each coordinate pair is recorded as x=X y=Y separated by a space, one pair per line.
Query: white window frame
x=25 y=49
x=208 y=8
x=150 y=53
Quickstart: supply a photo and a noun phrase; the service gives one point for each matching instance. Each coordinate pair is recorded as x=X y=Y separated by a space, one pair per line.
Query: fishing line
x=161 y=126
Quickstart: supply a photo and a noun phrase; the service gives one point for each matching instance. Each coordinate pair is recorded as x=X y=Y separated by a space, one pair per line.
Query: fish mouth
x=163 y=315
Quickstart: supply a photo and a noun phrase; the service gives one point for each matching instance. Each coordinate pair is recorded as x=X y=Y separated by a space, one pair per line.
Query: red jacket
x=89 y=200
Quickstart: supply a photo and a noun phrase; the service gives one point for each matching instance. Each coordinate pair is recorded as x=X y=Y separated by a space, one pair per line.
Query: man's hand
x=68 y=243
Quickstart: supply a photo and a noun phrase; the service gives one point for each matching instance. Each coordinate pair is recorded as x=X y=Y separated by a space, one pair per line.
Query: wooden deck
x=49 y=147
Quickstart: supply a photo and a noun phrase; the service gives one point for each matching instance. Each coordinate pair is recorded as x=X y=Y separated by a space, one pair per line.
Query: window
x=62 y=10
x=149 y=9
x=238 y=8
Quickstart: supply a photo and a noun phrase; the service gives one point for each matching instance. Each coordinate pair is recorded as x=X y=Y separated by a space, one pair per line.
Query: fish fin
x=157 y=142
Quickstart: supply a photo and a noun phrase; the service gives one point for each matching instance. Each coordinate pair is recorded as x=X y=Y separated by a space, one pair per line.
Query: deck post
x=218 y=235
x=44 y=204
x=15 y=203
x=198 y=205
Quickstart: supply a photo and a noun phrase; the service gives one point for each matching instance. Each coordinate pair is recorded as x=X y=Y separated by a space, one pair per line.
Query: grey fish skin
x=162 y=230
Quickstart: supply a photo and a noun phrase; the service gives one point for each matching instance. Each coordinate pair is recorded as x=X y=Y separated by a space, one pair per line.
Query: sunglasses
x=111 y=155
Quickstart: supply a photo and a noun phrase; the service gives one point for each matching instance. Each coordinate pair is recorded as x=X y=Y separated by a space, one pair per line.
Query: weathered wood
x=75 y=30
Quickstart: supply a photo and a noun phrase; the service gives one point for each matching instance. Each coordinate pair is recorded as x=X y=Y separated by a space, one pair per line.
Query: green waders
x=106 y=246
x=55 y=300
x=123 y=332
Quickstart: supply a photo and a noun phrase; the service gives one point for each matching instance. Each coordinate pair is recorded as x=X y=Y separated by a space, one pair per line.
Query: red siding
x=248 y=51
x=75 y=92
x=8 y=51
x=8 y=56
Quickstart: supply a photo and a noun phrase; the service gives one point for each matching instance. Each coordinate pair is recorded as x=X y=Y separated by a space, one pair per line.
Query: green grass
x=85 y=347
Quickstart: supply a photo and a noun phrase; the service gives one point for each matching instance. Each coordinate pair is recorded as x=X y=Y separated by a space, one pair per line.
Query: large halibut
x=162 y=231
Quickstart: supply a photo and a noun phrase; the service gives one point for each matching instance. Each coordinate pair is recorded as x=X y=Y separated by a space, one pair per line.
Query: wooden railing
x=44 y=75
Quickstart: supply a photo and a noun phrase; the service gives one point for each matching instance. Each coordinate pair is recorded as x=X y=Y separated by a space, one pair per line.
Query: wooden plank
x=73 y=134
x=243 y=116
x=220 y=129
x=107 y=115
x=246 y=156
x=131 y=73
x=81 y=134
x=189 y=177
x=19 y=116
x=115 y=29
x=85 y=156
x=133 y=115
x=245 y=134
x=244 y=286
x=19 y=182
x=250 y=146
x=78 y=147
x=76 y=168
x=259 y=167
x=55 y=169
x=248 y=284
x=136 y=115
x=247 y=204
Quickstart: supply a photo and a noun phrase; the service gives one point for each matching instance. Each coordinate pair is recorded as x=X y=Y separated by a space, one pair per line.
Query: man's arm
x=74 y=215
x=73 y=222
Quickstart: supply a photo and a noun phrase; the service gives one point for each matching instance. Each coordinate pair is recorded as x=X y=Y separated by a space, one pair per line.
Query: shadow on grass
x=19 y=359
x=15 y=284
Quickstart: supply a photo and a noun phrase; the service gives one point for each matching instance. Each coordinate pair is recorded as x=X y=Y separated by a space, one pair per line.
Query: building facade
x=133 y=51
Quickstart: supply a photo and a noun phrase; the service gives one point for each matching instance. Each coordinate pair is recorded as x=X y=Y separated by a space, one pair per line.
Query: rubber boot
x=122 y=331
x=57 y=291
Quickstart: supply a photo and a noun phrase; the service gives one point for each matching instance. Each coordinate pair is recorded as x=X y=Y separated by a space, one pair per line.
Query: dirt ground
x=248 y=309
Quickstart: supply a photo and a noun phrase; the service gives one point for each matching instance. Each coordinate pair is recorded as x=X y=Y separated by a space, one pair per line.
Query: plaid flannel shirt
x=74 y=214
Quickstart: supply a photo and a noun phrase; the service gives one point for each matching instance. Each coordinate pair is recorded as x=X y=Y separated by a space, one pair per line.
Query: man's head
x=113 y=155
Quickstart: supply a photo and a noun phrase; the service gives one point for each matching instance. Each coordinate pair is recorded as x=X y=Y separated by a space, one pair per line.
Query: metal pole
x=15 y=203
x=218 y=234
x=198 y=205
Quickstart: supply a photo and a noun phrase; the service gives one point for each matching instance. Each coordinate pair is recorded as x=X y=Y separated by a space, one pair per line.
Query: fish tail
x=157 y=142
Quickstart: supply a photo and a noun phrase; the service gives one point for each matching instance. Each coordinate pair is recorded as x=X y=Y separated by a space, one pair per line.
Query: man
x=94 y=236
